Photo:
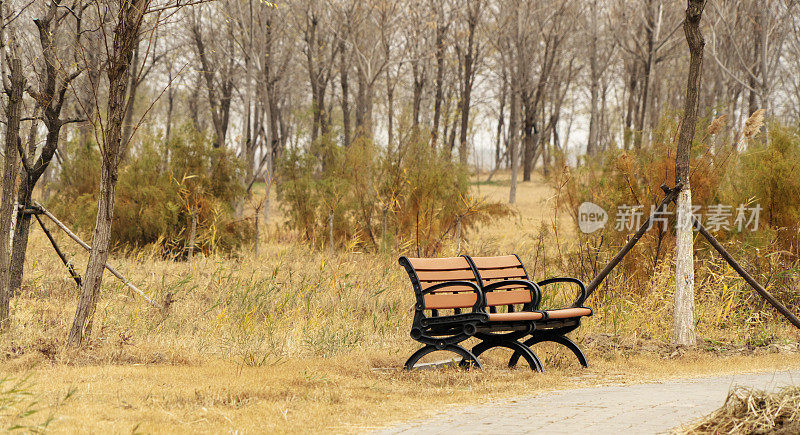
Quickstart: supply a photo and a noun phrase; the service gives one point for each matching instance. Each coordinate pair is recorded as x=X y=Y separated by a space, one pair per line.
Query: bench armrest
x=536 y=292
x=581 y=297
x=480 y=301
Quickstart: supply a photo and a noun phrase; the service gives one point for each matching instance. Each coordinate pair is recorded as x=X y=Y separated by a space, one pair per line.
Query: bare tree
x=320 y=49
x=469 y=57
x=648 y=39
x=272 y=94
x=54 y=82
x=14 y=84
x=540 y=57
x=442 y=27
x=125 y=37
x=218 y=73
x=684 y=266
x=600 y=51
x=754 y=58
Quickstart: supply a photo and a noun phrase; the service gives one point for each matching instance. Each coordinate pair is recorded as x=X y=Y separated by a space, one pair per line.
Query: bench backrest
x=427 y=272
x=501 y=268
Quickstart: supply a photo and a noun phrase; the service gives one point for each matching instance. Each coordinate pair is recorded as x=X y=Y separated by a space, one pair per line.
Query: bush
x=156 y=196
x=634 y=178
x=766 y=174
x=413 y=197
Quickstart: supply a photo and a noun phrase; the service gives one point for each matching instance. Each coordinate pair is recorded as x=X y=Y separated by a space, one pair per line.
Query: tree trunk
x=594 y=77
x=441 y=29
x=219 y=97
x=684 y=263
x=389 y=112
x=363 y=105
x=10 y=163
x=21 y=231
x=416 y=99
x=267 y=189
x=469 y=75
x=126 y=37
x=633 y=81
x=501 y=117
x=529 y=136
x=256 y=236
x=343 y=78
x=330 y=233
x=170 y=108
x=513 y=144
x=192 y=236
x=127 y=129
x=101 y=241
x=652 y=23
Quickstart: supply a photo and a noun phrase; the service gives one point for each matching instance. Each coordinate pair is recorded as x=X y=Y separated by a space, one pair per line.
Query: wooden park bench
x=450 y=308
x=455 y=302
x=493 y=272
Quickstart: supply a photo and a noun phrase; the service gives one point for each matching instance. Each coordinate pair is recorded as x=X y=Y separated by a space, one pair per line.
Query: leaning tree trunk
x=684 y=263
x=101 y=241
x=13 y=114
x=126 y=37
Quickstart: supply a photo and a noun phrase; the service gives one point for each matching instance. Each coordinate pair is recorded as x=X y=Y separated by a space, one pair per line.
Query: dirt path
x=641 y=408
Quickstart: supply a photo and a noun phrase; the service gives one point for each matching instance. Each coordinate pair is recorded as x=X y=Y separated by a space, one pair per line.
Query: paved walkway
x=641 y=408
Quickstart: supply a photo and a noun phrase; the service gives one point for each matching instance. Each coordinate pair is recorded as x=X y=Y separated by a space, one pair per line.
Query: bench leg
x=556 y=338
x=517 y=347
x=467 y=358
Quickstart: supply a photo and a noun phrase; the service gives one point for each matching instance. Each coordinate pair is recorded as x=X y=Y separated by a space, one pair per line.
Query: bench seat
x=515 y=317
x=568 y=313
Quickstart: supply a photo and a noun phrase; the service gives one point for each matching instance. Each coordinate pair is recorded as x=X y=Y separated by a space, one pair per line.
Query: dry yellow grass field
x=295 y=341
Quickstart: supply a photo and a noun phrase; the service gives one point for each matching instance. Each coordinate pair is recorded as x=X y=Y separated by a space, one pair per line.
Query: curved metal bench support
x=467 y=357
x=517 y=347
x=555 y=338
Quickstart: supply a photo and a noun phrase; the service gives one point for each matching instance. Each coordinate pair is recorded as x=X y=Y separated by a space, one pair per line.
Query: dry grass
x=754 y=412
x=297 y=341
x=341 y=393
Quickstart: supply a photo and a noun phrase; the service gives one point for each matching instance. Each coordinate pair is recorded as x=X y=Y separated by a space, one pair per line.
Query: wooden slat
x=498 y=262
x=567 y=313
x=505 y=273
x=453 y=289
x=503 y=287
x=448 y=263
x=496 y=298
x=445 y=275
x=442 y=301
x=515 y=317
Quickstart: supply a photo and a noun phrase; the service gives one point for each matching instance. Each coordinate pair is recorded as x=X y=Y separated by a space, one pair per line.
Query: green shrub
x=413 y=197
x=156 y=197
